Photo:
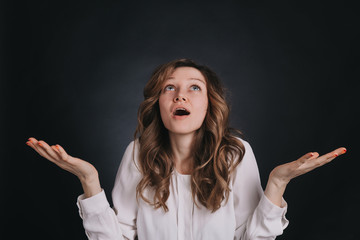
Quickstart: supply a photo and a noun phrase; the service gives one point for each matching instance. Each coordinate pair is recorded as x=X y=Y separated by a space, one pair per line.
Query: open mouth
x=181 y=112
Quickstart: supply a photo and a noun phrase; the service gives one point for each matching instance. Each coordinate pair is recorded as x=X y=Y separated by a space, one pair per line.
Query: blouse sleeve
x=103 y=222
x=256 y=216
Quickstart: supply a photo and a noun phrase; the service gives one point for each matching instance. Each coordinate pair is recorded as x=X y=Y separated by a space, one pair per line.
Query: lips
x=180 y=111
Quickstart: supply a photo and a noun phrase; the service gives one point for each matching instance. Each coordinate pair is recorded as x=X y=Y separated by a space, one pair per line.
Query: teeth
x=181 y=109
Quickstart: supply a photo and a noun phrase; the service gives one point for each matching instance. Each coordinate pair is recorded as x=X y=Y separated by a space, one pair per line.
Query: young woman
x=186 y=175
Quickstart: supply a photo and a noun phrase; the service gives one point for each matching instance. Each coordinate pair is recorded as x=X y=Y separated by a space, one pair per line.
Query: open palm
x=306 y=163
x=56 y=154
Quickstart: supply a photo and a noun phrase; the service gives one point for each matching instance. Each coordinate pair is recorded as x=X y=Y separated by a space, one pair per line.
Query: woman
x=186 y=175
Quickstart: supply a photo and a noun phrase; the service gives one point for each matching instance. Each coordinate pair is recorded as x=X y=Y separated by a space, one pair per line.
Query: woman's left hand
x=281 y=175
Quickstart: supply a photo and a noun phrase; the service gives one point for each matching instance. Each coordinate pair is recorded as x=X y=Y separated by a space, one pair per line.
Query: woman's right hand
x=85 y=171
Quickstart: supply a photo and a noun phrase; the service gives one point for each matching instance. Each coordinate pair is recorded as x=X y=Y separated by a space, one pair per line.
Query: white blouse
x=248 y=214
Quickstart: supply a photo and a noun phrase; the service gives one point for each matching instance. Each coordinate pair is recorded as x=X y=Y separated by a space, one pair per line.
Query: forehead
x=187 y=73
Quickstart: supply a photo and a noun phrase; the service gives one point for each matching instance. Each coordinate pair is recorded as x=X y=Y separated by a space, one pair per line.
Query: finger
x=50 y=151
x=63 y=154
x=34 y=144
x=305 y=158
x=43 y=148
x=38 y=147
x=340 y=151
x=31 y=141
x=58 y=153
x=326 y=158
x=55 y=149
x=333 y=154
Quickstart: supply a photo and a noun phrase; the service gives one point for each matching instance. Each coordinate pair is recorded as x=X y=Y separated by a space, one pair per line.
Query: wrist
x=275 y=189
x=90 y=185
x=279 y=183
x=89 y=178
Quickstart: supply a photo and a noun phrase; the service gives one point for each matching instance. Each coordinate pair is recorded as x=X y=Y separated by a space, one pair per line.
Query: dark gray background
x=73 y=73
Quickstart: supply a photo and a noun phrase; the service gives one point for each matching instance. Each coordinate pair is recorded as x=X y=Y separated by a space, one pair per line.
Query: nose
x=180 y=99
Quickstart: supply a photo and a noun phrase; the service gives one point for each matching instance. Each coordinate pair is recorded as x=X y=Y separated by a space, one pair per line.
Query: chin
x=183 y=130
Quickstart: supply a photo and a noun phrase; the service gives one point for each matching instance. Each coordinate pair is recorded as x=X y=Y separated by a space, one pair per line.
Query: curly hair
x=216 y=149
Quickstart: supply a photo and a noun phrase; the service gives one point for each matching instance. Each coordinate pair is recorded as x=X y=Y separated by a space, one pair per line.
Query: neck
x=181 y=145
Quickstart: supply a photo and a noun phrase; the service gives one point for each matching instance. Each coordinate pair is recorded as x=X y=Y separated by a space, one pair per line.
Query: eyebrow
x=198 y=79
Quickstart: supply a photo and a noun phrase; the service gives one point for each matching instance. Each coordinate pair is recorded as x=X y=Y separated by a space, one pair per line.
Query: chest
x=185 y=220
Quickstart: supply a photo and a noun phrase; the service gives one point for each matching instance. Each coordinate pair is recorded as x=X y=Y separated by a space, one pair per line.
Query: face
x=183 y=101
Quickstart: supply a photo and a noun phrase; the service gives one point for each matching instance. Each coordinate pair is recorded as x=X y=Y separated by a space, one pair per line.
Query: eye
x=169 y=88
x=195 y=88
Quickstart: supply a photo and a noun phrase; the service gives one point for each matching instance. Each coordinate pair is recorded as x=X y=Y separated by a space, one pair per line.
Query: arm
x=281 y=175
x=256 y=216
x=261 y=215
x=103 y=222
x=99 y=219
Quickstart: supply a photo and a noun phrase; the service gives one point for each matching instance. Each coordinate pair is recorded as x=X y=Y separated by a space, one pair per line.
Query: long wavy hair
x=216 y=149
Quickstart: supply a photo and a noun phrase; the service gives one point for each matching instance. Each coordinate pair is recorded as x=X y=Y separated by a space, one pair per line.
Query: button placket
x=185 y=209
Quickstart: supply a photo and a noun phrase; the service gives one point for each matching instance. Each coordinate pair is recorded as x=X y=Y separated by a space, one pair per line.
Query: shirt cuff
x=271 y=210
x=92 y=205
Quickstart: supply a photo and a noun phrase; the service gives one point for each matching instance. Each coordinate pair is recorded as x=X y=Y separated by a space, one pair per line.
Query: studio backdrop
x=73 y=74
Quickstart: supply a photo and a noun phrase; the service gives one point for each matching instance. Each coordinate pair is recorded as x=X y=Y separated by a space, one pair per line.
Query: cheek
x=203 y=106
x=163 y=106
x=206 y=105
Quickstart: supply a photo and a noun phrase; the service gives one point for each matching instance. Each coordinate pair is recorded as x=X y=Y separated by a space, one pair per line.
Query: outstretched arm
x=281 y=175
x=85 y=171
x=99 y=219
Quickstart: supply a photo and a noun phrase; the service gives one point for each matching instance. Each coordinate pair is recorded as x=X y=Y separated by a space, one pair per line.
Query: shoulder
x=247 y=146
x=132 y=148
x=248 y=160
x=247 y=170
x=130 y=158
